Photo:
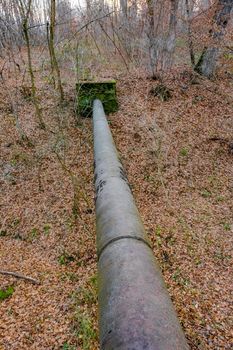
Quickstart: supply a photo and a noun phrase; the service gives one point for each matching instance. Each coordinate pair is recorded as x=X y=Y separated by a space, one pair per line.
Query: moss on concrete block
x=88 y=91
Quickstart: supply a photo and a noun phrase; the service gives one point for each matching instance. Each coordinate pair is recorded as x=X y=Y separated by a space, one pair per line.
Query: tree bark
x=25 y=12
x=155 y=40
x=50 y=55
x=207 y=62
x=190 y=40
x=170 y=43
x=53 y=57
x=162 y=23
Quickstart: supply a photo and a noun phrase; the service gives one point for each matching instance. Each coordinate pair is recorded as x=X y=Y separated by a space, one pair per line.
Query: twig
x=86 y=25
x=117 y=48
x=18 y=275
x=61 y=23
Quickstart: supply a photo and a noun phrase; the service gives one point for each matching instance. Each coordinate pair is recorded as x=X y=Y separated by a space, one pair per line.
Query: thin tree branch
x=18 y=275
x=119 y=51
x=84 y=26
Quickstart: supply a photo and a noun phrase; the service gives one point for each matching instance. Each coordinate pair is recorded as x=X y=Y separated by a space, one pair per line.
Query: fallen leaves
x=183 y=188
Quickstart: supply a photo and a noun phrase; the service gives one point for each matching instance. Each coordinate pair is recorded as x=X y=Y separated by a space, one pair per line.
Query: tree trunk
x=170 y=42
x=126 y=36
x=25 y=13
x=124 y=8
x=30 y=69
x=50 y=55
x=207 y=63
x=190 y=40
x=162 y=23
x=155 y=40
x=53 y=57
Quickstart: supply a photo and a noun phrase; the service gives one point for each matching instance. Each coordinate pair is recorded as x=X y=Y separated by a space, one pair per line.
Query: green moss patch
x=6 y=293
x=87 y=92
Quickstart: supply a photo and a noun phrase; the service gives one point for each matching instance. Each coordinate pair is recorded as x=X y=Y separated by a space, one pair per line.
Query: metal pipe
x=135 y=310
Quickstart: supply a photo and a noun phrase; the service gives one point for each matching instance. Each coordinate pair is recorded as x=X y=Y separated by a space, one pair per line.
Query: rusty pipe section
x=135 y=310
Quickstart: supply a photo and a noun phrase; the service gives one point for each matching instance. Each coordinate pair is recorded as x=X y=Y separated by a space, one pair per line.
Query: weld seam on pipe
x=113 y=240
x=135 y=310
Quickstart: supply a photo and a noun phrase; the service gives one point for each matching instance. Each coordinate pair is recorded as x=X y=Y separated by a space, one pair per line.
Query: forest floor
x=179 y=162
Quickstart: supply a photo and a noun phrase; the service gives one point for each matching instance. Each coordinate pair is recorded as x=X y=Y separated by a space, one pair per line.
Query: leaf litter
x=182 y=183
